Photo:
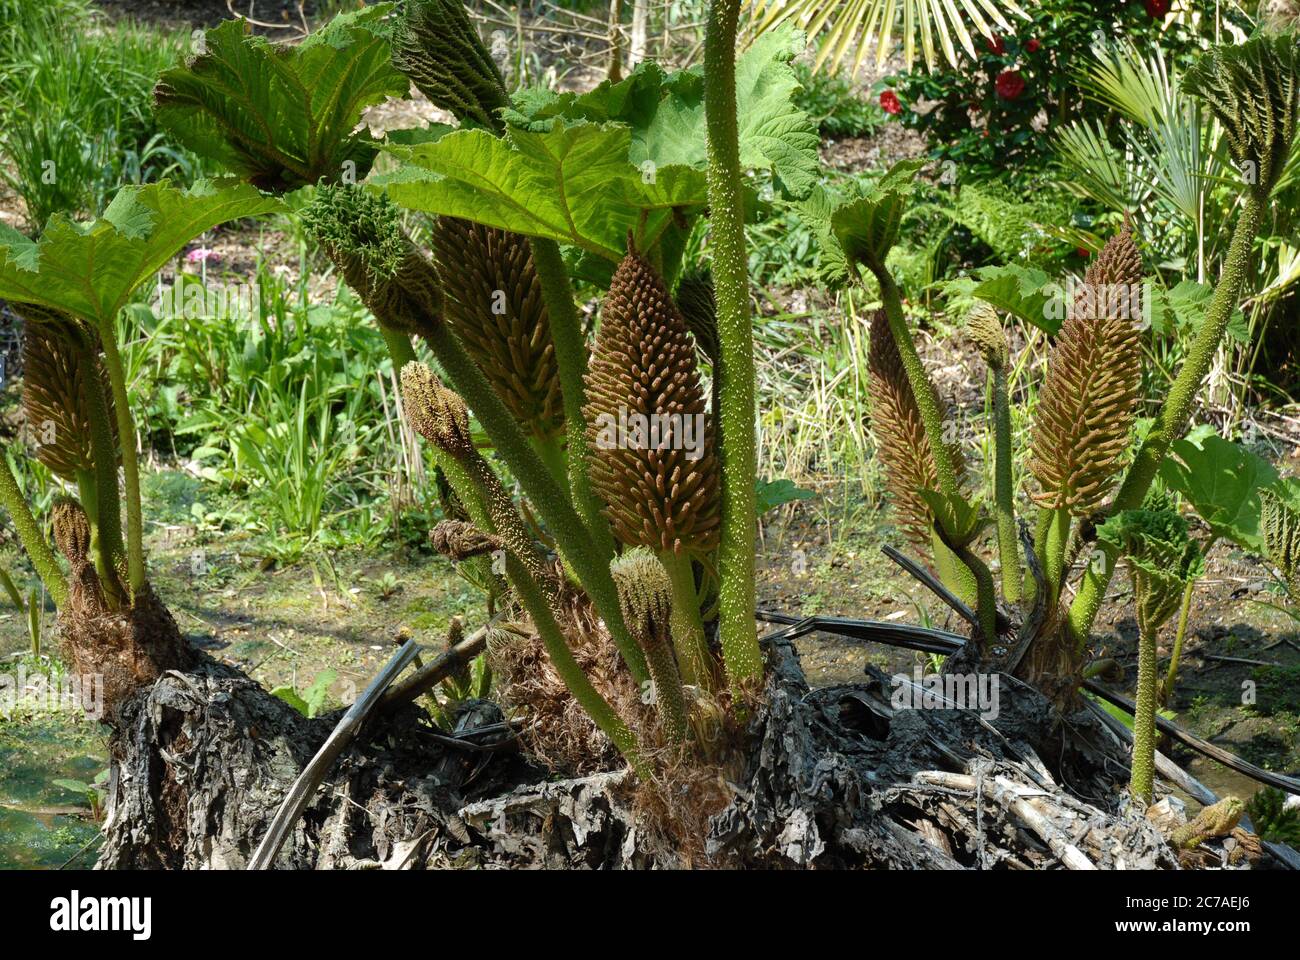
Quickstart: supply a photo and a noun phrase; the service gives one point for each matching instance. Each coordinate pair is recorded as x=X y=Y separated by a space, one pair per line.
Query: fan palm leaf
x=853 y=30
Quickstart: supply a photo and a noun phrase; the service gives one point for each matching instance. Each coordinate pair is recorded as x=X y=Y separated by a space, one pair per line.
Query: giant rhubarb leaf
x=1222 y=481
x=665 y=112
x=92 y=269
x=283 y=116
x=571 y=183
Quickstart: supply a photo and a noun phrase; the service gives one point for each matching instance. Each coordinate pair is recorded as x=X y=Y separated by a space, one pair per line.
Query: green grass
x=76 y=119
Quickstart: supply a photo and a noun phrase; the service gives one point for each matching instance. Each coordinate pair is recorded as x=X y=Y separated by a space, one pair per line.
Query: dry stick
x=422 y=680
x=1013 y=796
x=300 y=794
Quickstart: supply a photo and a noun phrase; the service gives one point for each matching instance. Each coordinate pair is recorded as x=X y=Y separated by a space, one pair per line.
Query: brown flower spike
x=494 y=303
x=651 y=442
x=900 y=433
x=1085 y=411
x=56 y=393
x=436 y=413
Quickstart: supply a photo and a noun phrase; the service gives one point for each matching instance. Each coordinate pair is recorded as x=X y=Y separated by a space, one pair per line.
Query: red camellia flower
x=1156 y=9
x=1010 y=84
x=1033 y=45
x=889 y=102
x=996 y=45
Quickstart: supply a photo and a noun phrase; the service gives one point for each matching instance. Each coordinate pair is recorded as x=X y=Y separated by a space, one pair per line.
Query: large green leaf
x=1181 y=309
x=282 y=116
x=92 y=269
x=774 y=133
x=1021 y=292
x=1221 y=480
x=866 y=228
x=571 y=183
x=665 y=112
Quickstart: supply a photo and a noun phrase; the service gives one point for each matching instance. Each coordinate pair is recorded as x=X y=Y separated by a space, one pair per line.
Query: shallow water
x=43 y=825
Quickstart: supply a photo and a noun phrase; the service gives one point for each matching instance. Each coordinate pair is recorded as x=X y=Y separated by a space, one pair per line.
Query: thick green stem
x=1003 y=492
x=1142 y=779
x=669 y=700
x=130 y=468
x=1171 y=676
x=1175 y=413
x=986 y=598
x=693 y=657
x=552 y=502
x=571 y=362
x=86 y=487
x=551 y=450
x=954 y=574
x=399 y=347
x=30 y=536
x=1058 y=537
x=737 y=443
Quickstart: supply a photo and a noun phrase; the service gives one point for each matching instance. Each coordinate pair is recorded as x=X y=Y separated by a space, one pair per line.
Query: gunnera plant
x=496 y=307
x=1084 y=463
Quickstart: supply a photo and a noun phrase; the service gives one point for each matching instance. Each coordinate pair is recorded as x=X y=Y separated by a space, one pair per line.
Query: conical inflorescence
x=985 y=331
x=437 y=413
x=651 y=441
x=494 y=304
x=900 y=434
x=61 y=368
x=1086 y=408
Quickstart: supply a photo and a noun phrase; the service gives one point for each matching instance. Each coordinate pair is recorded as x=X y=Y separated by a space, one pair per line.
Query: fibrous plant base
x=829 y=779
x=557 y=732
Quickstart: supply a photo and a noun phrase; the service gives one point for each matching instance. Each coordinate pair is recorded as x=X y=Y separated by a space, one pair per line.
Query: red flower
x=1010 y=84
x=889 y=102
x=1033 y=45
x=1083 y=252
x=1156 y=9
x=996 y=45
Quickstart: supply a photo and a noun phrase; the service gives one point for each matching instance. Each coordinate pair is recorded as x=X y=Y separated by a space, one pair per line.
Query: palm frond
x=853 y=30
